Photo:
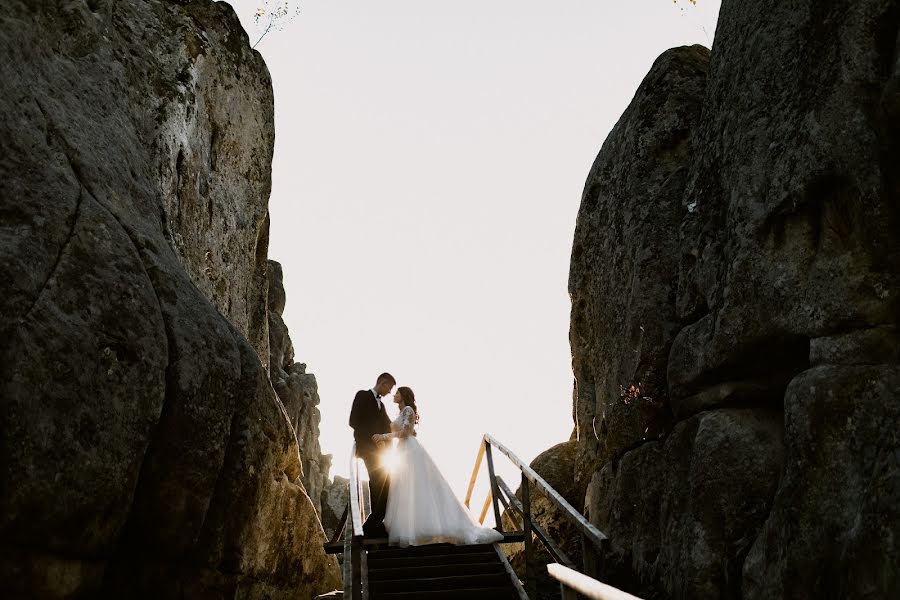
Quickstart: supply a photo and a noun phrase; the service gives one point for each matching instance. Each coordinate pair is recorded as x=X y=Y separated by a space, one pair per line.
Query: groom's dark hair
x=386 y=377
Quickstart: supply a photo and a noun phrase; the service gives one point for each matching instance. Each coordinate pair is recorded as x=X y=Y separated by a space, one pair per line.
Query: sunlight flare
x=389 y=458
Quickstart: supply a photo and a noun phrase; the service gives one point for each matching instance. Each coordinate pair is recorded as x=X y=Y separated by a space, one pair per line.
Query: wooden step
x=453 y=582
x=442 y=570
x=431 y=549
x=513 y=537
x=483 y=593
x=380 y=562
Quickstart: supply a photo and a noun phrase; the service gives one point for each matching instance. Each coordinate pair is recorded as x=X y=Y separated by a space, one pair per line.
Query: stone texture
x=334 y=500
x=624 y=269
x=298 y=392
x=216 y=133
x=557 y=466
x=143 y=452
x=683 y=512
x=775 y=292
x=794 y=232
x=838 y=502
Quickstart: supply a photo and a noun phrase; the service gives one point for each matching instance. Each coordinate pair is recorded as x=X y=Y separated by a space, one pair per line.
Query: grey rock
x=142 y=449
x=334 y=500
x=624 y=269
x=838 y=504
x=682 y=513
x=298 y=392
x=867 y=346
x=794 y=233
x=787 y=258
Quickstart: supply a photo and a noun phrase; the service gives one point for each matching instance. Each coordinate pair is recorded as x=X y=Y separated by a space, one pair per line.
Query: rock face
x=143 y=452
x=334 y=499
x=557 y=466
x=737 y=255
x=624 y=270
x=298 y=392
x=696 y=499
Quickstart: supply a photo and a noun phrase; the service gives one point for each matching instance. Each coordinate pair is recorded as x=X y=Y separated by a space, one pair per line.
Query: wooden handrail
x=475 y=473
x=587 y=529
x=484 y=509
x=586 y=586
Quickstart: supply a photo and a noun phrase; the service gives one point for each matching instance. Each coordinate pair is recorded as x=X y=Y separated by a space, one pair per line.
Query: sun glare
x=389 y=458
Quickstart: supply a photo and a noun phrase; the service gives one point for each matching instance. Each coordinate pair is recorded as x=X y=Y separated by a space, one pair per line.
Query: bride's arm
x=407 y=426
x=407 y=423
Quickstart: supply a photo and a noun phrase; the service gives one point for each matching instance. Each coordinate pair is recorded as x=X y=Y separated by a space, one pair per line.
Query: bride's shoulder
x=407 y=410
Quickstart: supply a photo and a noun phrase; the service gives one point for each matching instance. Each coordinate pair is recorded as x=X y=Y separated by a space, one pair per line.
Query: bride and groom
x=412 y=504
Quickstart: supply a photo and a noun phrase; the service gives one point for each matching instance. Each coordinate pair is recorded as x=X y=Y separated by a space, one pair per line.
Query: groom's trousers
x=379 y=487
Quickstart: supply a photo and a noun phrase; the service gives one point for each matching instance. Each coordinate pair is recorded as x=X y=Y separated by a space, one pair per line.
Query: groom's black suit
x=368 y=417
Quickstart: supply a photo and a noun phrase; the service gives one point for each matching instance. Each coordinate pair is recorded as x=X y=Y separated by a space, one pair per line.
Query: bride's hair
x=409 y=399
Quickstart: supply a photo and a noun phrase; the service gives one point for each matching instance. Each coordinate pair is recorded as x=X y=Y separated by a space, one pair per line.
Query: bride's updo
x=409 y=399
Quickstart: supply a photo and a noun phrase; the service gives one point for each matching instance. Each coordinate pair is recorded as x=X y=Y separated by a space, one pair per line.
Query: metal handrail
x=530 y=478
x=354 y=569
x=552 y=547
x=356 y=494
x=591 y=532
x=572 y=583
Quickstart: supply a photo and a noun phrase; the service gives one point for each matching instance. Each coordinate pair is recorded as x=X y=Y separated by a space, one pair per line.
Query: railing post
x=356 y=567
x=589 y=558
x=530 y=570
x=361 y=494
x=347 y=566
x=495 y=491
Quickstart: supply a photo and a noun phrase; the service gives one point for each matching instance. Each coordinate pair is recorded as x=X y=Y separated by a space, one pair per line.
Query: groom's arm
x=358 y=412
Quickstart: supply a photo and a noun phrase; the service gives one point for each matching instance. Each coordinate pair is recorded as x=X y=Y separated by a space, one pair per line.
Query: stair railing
x=501 y=493
x=572 y=583
x=354 y=571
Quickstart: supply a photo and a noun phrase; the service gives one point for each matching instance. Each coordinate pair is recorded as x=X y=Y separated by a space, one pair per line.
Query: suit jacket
x=367 y=419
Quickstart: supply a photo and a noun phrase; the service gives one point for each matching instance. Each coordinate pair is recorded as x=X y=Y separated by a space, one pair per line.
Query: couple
x=412 y=505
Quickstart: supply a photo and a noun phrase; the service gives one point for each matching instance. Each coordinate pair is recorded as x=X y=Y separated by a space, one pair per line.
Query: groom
x=367 y=418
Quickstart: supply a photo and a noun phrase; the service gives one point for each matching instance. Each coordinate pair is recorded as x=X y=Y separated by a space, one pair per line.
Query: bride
x=421 y=507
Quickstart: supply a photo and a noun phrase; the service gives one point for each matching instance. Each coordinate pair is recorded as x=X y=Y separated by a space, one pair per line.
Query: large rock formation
x=624 y=270
x=298 y=392
x=737 y=259
x=143 y=452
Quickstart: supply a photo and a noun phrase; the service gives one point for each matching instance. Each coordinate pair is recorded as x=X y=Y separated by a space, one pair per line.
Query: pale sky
x=429 y=163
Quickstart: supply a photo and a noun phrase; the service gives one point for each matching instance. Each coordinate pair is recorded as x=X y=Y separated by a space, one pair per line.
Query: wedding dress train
x=421 y=507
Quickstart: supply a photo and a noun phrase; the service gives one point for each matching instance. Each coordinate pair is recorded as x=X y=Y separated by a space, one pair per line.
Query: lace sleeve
x=407 y=422
x=403 y=426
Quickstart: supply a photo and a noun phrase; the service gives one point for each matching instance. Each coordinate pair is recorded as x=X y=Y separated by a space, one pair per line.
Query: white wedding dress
x=421 y=507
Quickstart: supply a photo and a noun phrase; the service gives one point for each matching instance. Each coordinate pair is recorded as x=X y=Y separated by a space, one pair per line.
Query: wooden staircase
x=439 y=571
x=372 y=570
